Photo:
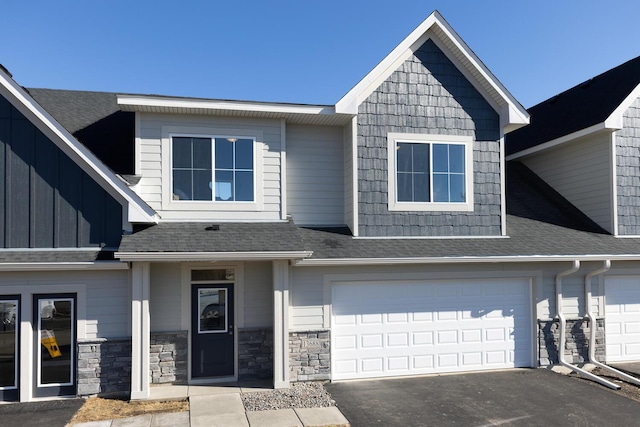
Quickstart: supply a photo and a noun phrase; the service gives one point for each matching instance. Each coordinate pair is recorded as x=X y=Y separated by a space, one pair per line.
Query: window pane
x=244 y=154
x=458 y=193
x=404 y=157
x=224 y=153
x=440 y=187
x=244 y=186
x=182 y=185
x=9 y=317
x=421 y=187
x=181 y=152
x=440 y=158
x=202 y=185
x=55 y=326
x=421 y=158
x=213 y=309
x=224 y=186
x=405 y=190
x=218 y=274
x=456 y=158
x=201 y=153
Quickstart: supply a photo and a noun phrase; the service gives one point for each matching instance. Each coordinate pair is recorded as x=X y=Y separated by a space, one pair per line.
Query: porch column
x=280 y=324
x=140 y=326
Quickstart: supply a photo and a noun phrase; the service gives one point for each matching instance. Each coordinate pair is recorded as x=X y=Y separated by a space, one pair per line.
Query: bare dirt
x=627 y=389
x=98 y=409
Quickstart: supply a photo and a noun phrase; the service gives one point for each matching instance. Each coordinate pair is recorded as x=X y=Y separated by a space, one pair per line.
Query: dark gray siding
x=628 y=171
x=46 y=200
x=427 y=95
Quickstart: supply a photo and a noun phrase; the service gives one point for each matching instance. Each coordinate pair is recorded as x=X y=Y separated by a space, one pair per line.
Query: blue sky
x=301 y=50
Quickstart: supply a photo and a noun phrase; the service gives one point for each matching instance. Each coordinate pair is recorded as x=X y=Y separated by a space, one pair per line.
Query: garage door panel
x=622 y=319
x=463 y=326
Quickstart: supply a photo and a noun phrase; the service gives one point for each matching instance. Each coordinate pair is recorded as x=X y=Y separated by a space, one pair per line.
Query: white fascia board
x=562 y=140
x=211 y=256
x=134 y=101
x=615 y=119
x=60 y=266
x=81 y=155
x=460 y=260
x=515 y=115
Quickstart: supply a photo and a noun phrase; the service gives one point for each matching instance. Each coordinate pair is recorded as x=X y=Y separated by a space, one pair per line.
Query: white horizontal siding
x=580 y=172
x=315 y=175
x=258 y=294
x=154 y=178
x=108 y=296
x=165 y=297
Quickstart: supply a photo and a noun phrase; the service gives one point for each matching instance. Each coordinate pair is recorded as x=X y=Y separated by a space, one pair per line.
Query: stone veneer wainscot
x=309 y=356
x=577 y=341
x=104 y=367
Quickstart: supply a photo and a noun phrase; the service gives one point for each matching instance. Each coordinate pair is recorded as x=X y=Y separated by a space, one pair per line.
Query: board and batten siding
x=47 y=200
x=315 y=175
x=581 y=172
x=150 y=163
x=108 y=296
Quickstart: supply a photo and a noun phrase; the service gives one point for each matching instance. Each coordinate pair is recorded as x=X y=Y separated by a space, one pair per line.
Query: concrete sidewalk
x=221 y=406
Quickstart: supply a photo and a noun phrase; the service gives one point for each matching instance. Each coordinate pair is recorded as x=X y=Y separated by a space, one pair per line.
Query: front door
x=212 y=341
x=10 y=318
x=55 y=344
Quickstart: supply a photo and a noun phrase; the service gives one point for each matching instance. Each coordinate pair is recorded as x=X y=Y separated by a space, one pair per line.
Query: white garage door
x=408 y=328
x=622 y=319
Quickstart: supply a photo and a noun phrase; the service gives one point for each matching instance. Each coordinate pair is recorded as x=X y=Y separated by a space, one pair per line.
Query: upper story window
x=213 y=169
x=430 y=172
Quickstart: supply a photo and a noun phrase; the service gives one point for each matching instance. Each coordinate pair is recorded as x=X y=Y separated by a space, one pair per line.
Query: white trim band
x=211 y=256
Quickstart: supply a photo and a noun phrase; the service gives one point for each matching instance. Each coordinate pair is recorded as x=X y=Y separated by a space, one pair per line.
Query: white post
x=280 y=324
x=140 y=330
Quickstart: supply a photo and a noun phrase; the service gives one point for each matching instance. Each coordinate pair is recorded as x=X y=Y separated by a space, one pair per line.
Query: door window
x=56 y=341
x=213 y=310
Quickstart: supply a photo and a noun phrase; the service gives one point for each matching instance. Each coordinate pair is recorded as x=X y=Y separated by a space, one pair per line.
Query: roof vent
x=214 y=227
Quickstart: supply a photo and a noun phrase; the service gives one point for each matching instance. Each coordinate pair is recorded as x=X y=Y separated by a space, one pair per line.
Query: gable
x=46 y=199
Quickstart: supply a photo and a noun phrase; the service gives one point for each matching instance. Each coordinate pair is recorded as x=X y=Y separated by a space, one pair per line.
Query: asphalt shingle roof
x=203 y=237
x=45 y=256
x=584 y=105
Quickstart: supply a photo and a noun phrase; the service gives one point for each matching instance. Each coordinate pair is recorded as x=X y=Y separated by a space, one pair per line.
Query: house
x=160 y=240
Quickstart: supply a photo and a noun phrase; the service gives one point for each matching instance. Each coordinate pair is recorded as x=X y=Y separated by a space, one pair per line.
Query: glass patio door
x=55 y=346
x=9 y=326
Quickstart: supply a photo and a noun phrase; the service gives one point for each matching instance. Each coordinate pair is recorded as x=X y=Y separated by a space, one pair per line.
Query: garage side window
x=430 y=175
x=219 y=169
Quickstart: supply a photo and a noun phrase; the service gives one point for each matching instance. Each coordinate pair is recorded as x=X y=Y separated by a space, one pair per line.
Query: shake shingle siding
x=427 y=95
x=628 y=171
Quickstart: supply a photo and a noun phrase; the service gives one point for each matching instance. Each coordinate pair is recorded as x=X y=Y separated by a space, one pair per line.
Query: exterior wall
x=348 y=175
x=628 y=171
x=427 y=95
x=310 y=356
x=168 y=357
x=155 y=127
x=577 y=343
x=104 y=367
x=581 y=172
x=165 y=299
x=46 y=200
x=258 y=295
x=315 y=175
x=255 y=353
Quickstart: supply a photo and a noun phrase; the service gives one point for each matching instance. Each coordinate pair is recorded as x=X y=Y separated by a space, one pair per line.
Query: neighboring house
x=155 y=240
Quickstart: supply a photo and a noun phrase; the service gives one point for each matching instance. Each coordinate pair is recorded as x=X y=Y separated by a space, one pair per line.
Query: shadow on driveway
x=54 y=413
x=522 y=397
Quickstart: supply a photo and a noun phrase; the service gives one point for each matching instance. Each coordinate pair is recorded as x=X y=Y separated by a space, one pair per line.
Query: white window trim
x=394 y=205
x=168 y=132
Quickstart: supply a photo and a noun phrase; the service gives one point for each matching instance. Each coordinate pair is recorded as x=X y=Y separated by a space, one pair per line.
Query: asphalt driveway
x=523 y=397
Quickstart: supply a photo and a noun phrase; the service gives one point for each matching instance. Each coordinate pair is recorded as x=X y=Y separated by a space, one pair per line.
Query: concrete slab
x=208 y=390
x=172 y=419
x=168 y=392
x=215 y=405
x=139 y=421
x=221 y=420
x=255 y=386
x=106 y=423
x=330 y=416
x=274 y=418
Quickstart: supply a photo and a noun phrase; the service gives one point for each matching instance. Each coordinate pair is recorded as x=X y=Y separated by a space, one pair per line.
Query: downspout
x=592 y=325
x=563 y=325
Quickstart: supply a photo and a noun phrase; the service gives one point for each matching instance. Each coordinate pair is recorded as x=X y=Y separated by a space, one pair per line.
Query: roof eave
x=212 y=256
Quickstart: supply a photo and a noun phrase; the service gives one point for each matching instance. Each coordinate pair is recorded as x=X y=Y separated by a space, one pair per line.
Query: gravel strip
x=299 y=395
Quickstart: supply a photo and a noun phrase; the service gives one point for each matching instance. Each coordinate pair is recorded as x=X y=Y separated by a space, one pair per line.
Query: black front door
x=55 y=344
x=212 y=342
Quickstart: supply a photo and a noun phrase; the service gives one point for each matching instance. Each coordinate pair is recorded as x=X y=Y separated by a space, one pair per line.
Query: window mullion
x=430 y=172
